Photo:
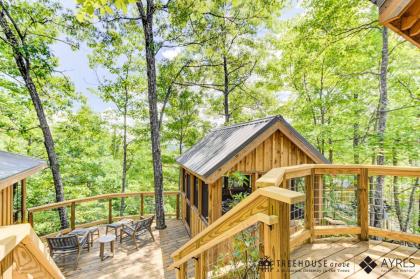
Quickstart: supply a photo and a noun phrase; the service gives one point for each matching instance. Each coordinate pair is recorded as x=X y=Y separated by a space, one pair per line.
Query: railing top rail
x=275 y=193
x=12 y=236
x=97 y=197
x=276 y=175
x=252 y=220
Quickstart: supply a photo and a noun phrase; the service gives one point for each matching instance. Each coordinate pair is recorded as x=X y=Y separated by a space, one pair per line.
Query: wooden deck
x=149 y=261
x=349 y=253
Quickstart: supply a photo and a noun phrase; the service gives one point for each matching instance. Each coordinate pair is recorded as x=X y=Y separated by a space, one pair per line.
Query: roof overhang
x=401 y=16
x=14 y=168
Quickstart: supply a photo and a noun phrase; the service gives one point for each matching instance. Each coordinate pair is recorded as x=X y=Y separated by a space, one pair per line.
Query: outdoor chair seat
x=69 y=244
x=136 y=229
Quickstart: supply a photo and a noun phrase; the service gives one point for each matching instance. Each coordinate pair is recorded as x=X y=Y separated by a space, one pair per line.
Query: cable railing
x=330 y=200
x=103 y=208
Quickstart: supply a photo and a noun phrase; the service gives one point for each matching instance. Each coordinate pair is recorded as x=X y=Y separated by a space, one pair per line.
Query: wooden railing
x=104 y=197
x=270 y=206
x=273 y=201
x=23 y=253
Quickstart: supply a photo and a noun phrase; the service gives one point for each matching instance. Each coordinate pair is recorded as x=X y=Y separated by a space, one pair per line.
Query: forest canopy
x=347 y=84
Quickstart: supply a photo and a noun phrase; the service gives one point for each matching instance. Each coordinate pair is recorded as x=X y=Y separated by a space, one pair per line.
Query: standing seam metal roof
x=14 y=164
x=220 y=145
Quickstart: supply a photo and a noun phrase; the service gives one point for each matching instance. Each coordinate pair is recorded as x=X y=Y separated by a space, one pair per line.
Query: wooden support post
x=268 y=251
x=203 y=265
x=284 y=235
x=309 y=205
x=181 y=272
x=23 y=201
x=110 y=211
x=141 y=205
x=31 y=218
x=73 y=216
x=177 y=206
x=362 y=216
x=197 y=268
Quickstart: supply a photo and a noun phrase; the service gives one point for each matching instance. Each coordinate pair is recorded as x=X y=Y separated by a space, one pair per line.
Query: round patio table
x=102 y=241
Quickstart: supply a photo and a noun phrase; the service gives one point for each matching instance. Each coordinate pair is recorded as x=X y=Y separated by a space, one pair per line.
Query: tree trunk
x=382 y=118
x=23 y=64
x=226 y=90
x=124 y=163
x=356 y=133
x=147 y=22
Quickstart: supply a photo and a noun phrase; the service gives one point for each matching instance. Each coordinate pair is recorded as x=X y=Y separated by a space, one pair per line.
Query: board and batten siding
x=6 y=218
x=277 y=150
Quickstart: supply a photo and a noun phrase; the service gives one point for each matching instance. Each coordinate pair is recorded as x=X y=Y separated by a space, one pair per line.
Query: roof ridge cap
x=247 y=123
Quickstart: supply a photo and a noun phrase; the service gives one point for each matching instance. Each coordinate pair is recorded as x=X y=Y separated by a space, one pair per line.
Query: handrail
x=277 y=175
x=252 y=220
x=11 y=237
x=73 y=202
x=97 y=197
x=255 y=203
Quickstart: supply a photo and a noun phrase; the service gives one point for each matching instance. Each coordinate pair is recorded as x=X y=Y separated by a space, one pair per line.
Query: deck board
x=351 y=252
x=149 y=261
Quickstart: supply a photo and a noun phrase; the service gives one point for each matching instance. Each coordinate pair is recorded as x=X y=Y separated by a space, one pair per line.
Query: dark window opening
x=232 y=188
x=195 y=192
x=205 y=200
x=183 y=180
x=188 y=184
x=188 y=215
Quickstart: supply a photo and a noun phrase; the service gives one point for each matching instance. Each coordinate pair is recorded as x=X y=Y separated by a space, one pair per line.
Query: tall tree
x=381 y=127
x=23 y=25
x=120 y=54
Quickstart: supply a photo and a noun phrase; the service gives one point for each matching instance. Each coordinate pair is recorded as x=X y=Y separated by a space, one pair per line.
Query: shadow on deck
x=149 y=261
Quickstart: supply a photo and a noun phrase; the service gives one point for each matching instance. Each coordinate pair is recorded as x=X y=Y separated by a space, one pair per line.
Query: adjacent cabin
x=402 y=17
x=14 y=170
x=250 y=149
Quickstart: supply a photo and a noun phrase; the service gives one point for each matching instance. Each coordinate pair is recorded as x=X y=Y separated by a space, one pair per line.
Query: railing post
x=177 y=206
x=181 y=271
x=73 y=216
x=23 y=201
x=197 y=268
x=31 y=218
x=309 y=204
x=141 y=205
x=268 y=251
x=362 y=216
x=284 y=235
x=110 y=211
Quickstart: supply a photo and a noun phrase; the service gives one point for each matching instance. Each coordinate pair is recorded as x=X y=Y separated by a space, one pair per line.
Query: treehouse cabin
x=401 y=16
x=19 y=246
x=229 y=161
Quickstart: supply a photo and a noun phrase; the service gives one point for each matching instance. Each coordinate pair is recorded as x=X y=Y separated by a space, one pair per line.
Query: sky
x=75 y=64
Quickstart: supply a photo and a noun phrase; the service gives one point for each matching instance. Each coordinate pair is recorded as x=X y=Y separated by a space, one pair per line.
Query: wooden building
x=251 y=148
x=401 y=16
x=14 y=169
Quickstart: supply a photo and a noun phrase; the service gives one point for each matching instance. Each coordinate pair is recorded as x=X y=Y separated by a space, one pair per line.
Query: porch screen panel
x=205 y=200
x=188 y=180
x=196 y=192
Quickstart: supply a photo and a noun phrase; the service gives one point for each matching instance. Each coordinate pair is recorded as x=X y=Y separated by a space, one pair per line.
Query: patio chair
x=136 y=229
x=68 y=244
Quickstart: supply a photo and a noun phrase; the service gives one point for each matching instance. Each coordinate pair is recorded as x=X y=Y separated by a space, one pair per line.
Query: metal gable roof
x=13 y=165
x=220 y=145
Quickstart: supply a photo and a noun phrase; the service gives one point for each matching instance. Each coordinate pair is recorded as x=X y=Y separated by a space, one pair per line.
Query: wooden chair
x=68 y=244
x=136 y=229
